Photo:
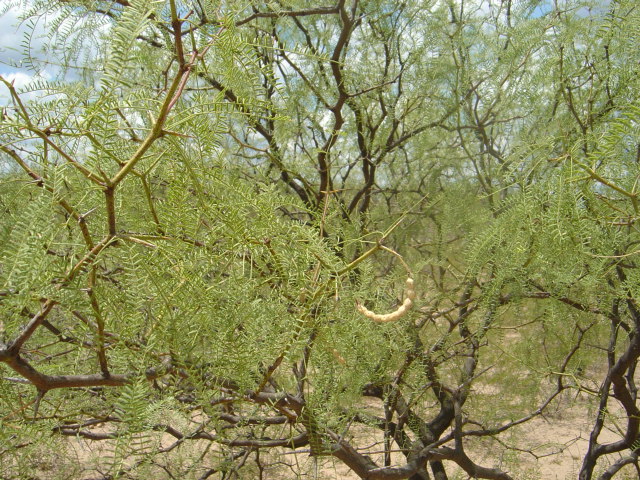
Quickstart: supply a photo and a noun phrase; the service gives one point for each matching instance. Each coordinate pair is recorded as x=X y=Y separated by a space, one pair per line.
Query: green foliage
x=190 y=219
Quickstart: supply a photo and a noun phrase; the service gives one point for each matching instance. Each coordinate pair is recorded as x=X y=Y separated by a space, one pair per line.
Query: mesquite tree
x=249 y=239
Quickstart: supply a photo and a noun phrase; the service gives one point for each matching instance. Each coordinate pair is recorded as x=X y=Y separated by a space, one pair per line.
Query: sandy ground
x=551 y=448
x=558 y=440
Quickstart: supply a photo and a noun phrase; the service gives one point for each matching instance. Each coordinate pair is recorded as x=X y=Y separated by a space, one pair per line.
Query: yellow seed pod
x=407 y=304
x=411 y=293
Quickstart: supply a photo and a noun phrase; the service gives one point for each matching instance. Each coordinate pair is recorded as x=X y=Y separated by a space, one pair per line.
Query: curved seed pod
x=411 y=293
x=398 y=313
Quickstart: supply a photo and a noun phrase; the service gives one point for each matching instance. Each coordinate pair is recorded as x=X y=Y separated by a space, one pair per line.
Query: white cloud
x=20 y=80
x=14 y=36
x=10 y=39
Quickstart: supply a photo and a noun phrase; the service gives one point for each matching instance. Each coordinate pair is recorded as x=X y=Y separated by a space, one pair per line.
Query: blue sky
x=12 y=41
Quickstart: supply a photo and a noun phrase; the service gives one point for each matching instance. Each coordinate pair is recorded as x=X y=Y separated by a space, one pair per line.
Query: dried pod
x=398 y=313
x=411 y=293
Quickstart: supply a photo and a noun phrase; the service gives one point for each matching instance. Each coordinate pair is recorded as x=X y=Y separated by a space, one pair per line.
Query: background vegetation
x=194 y=209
